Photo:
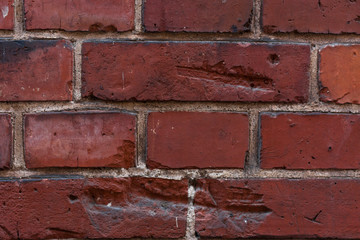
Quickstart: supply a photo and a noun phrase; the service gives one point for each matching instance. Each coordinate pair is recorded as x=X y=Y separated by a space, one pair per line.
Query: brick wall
x=179 y=119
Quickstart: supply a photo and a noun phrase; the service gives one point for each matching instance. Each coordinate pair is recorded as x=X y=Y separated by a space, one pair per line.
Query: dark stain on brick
x=11 y=51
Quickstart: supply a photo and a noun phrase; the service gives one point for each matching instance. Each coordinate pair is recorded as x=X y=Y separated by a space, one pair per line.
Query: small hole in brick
x=274 y=59
x=73 y=198
x=329 y=149
x=312 y=157
x=354 y=53
x=35 y=190
x=252 y=85
x=55 y=133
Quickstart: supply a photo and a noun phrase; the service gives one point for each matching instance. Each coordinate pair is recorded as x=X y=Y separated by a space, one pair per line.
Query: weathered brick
x=197 y=140
x=197 y=16
x=195 y=71
x=6 y=14
x=5 y=141
x=93 y=208
x=339 y=75
x=277 y=208
x=310 y=141
x=316 y=16
x=80 y=15
x=38 y=70
x=80 y=140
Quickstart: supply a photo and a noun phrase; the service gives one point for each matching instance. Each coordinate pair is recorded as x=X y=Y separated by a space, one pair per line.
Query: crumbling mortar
x=38 y=107
x=138 y=16
x=309 y=38
x=141 y=137
x=18 y=162
x=257 y=8
x=251 y=165
x=314 y=78
x=77 y=71
x=179 y=174
x=190 y=226
x=18 y=19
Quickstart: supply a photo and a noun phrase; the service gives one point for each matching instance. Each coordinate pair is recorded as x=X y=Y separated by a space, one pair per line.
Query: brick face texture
x=195 y=71
x=80 y=140
x=80 y=15
x=179 y=119
x=339 y=75
x=310 y=141
x=5 y=141
x=6 y=15
x=93 y=208
x=200 y=16
x=221 y=139
x=276 y=208
x=38 y=70
x=315 y=16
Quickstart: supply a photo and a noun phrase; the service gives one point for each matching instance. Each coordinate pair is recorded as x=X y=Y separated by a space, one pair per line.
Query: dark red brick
x=5 y=141
x=38 y=70
x=80 y=15
x=310 y=141
x=195 y=71
x=80 y=140
x=6 y=14
x=339 y=75
x=93 y=208
x=278 y=208
x=197 y=140
x=197 y=16
x=316 y=16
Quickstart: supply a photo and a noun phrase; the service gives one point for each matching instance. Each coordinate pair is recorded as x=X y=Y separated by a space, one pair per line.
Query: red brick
x=5 y=141
x=80 y=140
x=197 y=16
x=195 y=71
x=314 y=208
x=310 y=141
x=315 y=16
x=93 y=208
x=339 y=75
x=197 y=140
x=38 y=70
x=6 y=14
x=80 y=15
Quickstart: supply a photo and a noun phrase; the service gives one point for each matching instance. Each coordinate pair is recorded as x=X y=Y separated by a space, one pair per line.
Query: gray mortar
x=251 y=168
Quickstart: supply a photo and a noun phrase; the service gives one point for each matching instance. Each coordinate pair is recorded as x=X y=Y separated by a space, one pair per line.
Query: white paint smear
x=5 y=11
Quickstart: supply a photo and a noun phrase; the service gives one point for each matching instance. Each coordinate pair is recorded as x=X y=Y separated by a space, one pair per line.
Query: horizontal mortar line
x=179 y=174
x=34 y=107
x=246 y=37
